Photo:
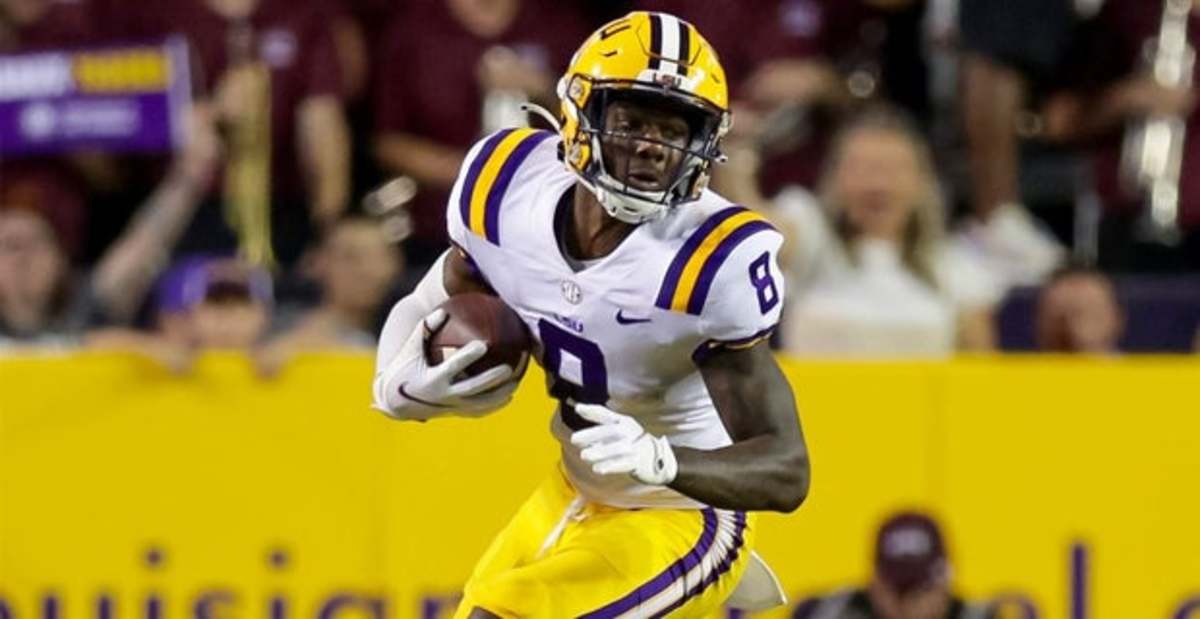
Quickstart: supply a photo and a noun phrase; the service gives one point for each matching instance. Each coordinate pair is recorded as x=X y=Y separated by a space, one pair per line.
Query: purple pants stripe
x=668 y=576
x=678 y=570
x=726 y=563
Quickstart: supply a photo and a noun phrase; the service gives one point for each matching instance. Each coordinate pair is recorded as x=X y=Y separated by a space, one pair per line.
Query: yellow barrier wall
x=127 y=492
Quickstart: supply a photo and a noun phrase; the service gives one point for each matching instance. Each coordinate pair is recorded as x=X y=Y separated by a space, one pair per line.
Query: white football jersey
x=627 y=330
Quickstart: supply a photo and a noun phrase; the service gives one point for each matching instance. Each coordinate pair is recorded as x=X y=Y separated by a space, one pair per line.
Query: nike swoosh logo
x=622 y=320
x=405 y=394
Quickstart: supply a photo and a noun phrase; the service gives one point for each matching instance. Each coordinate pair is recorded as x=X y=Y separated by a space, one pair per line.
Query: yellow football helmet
x=659 y=58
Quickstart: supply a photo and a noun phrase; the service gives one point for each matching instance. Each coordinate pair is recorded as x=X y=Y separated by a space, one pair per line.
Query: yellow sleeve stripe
x=489 y=176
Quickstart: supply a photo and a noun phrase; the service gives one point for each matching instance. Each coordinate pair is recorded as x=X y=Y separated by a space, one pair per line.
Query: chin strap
x=614 y=203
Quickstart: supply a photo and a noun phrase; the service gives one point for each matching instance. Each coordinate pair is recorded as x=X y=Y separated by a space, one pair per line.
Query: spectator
x=871 y=272
x=202 y=303
x=358 y=27
x=28 y=25
x=41 y=302
x=66 y=185
x=1078 y=312
x=286 y=52
x=206 y=302
x=36 y=306
x=440 y=63
x=1012 y=49
x=55 y=190
x=806 y=65
x=784 y=32
x=354 y=24
x=356 y=267
x=1109 y=88
x=911 y=579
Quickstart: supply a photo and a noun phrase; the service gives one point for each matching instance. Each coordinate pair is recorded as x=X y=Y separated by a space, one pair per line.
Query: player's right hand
x=410 y=388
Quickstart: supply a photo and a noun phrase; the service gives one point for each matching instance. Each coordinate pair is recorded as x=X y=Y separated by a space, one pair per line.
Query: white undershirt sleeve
x=405 y=317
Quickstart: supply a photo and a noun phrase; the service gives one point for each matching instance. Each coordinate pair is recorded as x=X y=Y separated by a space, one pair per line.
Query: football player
x=650 y=299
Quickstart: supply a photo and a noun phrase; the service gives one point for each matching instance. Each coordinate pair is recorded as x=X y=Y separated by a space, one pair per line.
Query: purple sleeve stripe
x=674 y=572
x=468 y=186
x=726 y=564
x=705 y=350
x=509 y=169
x=713 y=264
x=675 y=271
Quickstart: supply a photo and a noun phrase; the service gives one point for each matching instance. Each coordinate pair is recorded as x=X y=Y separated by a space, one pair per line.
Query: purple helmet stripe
x=655 y=41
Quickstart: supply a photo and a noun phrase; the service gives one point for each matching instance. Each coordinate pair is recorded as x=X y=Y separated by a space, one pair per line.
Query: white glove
x=410 y=388
x=618 y=445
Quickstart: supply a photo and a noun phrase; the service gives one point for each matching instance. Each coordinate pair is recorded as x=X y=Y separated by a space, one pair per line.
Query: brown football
x=478 y=316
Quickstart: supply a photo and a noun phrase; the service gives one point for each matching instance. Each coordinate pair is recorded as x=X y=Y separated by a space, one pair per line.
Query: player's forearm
x=766 y=467
x=762 y=473
x=405 y=317
x=449 y=275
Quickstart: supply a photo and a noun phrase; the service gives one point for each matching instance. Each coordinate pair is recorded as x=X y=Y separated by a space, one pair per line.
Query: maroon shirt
x=65 y=24
x=293 y=37
x=749 y=33
x=1112 y=51
x=427 y=86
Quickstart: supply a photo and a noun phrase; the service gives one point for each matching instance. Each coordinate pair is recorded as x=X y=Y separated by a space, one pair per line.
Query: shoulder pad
x=486 y=178
x=691 y=274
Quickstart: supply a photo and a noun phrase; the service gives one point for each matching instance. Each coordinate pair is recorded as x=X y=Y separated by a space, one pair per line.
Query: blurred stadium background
x=207 y=206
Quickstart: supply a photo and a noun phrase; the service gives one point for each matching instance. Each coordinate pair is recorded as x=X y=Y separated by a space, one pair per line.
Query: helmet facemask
x=622 y=200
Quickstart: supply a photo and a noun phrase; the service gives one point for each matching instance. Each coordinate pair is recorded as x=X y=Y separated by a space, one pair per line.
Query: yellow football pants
x=609 y=562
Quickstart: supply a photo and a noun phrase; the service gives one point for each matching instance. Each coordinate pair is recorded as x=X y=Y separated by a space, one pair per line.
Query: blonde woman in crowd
x=871 y=272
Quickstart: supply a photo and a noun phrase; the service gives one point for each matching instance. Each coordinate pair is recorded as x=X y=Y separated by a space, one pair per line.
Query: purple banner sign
x=117 y=99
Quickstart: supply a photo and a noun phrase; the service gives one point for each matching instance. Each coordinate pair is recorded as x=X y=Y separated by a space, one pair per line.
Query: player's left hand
x=618 y=445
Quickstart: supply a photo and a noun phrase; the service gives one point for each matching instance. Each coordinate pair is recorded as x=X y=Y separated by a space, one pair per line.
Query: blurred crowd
x=912 y=579
x=950 y=175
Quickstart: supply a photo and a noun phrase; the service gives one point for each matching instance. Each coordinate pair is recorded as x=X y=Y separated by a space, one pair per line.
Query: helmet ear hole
x=577 y=155
x=578 y=90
